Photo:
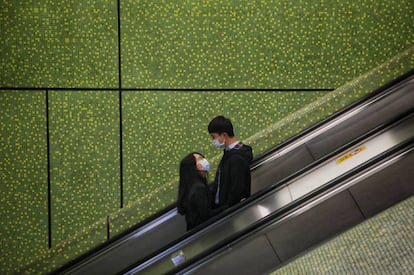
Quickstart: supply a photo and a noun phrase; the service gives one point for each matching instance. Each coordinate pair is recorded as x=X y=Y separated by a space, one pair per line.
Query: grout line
x=168 y=89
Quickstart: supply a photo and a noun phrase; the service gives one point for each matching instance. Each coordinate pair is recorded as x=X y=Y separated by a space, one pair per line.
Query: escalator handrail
x=286 y=211
x=384 y=90
x=375 y=95
x=189 y=236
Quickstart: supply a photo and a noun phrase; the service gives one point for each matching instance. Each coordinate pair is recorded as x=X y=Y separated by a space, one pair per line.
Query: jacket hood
x=243 y=150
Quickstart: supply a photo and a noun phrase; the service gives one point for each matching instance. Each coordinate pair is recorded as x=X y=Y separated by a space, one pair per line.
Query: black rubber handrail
x=257 y=160
x=298 y=204
x=269 y=189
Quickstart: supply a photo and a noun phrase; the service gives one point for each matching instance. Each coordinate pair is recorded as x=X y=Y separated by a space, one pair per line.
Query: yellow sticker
x=350 y=154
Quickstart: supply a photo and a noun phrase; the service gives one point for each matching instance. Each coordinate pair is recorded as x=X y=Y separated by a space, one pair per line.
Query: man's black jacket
x=233 y=176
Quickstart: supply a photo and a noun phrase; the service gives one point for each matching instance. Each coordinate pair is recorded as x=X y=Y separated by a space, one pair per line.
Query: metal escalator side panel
x=283 y=162
x=333 y=134
x=354 y=157
x=219 y=232
x=135 y=245
x=323 y=218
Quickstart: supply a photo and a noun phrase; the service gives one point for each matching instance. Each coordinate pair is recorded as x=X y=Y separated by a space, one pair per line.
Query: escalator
x=344 y=128
x=335 y=182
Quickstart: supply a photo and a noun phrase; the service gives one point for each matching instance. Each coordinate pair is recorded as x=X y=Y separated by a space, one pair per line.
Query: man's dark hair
x=220 y=125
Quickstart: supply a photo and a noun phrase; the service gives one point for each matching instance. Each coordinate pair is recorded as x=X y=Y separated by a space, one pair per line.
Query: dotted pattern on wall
x=259 y=44
x=277 y=132
x=212 y=44
x=23 y=176
x=50 y=43
x=85 y=159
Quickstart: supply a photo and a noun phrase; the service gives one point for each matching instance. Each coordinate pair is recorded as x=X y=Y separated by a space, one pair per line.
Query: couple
x=199 y=202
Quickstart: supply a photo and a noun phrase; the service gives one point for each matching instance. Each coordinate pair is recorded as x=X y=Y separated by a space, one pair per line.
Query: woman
x=194 y=197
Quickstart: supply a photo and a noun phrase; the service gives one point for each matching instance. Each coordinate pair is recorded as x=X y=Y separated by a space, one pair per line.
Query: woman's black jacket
x=198 y=204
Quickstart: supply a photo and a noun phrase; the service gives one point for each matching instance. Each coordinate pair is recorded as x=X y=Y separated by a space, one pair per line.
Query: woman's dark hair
x=188 y=174
x=220 y=125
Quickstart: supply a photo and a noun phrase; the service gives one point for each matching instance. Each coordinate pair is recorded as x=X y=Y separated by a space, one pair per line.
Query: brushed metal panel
x=350 y=159
x=318 y=223
x=386 y=188
x=136 y=246
x=273 y=171
x=400 y=101
x=255 y=256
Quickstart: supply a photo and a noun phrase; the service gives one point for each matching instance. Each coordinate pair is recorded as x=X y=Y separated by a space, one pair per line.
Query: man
x=232 y=181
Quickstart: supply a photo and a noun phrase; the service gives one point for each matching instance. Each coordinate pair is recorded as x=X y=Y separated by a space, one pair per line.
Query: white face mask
x=217 y=144
x=205 y=165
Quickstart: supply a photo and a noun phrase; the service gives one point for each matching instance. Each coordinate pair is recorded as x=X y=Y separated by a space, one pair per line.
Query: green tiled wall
x=208 y=44
x=23 y=176
x=259 y=44
x=84 y=159
x=162 y=194
x=50 y=43
x=95 y=77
